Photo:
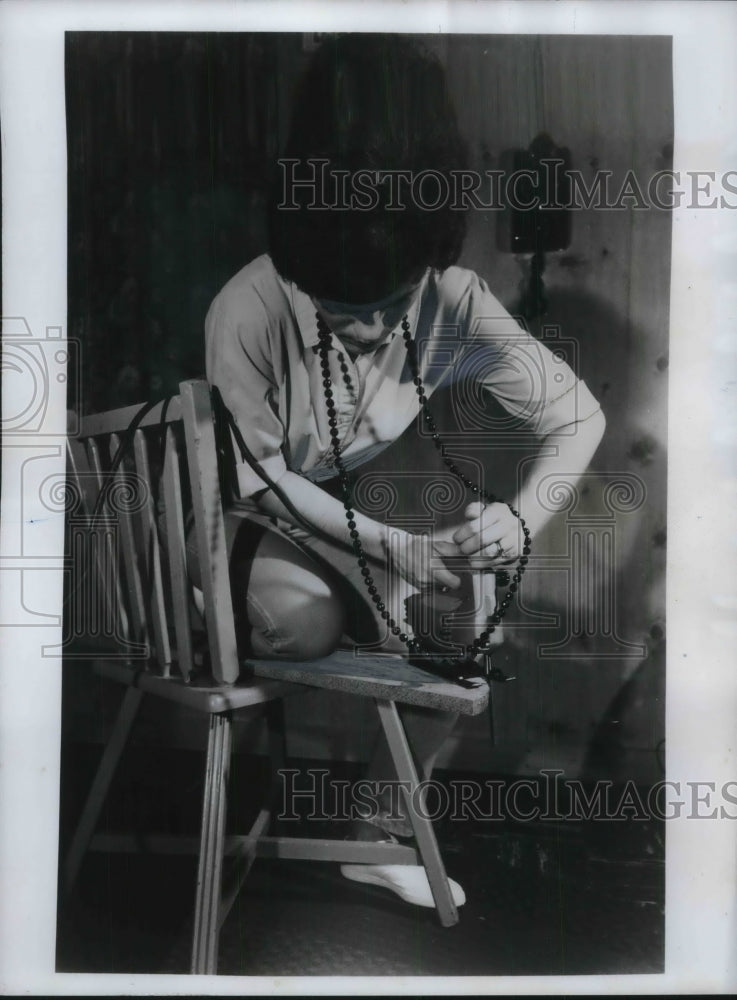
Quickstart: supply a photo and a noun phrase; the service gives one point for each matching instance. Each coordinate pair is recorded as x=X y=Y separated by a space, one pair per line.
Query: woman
x=323 y=352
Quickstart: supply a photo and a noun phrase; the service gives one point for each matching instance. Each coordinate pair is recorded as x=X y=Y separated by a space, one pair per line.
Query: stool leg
x=212 y=838
x=422 y=826
x=100 y=785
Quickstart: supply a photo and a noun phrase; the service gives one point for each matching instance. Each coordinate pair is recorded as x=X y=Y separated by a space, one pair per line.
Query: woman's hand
x=419 y=560
x=491 y=536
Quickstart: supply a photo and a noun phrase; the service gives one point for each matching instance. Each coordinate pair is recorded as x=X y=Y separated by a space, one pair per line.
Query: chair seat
x=210 y=699
x=385 y=676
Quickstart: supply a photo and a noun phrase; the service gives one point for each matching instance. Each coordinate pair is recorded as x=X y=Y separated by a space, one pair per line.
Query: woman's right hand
x=419 y=560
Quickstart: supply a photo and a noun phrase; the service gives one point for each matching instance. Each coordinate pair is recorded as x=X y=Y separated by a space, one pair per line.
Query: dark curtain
x=171 y=137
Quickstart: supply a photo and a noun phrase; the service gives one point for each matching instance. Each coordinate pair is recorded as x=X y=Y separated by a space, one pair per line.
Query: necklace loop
x=456 y=668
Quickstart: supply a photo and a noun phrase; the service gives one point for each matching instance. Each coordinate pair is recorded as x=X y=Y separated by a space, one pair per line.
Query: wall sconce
x=536 y=216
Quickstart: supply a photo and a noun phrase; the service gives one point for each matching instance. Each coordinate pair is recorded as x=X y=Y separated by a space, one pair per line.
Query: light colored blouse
x=261 y=353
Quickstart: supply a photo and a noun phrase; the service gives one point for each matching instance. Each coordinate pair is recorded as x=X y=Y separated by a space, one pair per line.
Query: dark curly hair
x=378 y=103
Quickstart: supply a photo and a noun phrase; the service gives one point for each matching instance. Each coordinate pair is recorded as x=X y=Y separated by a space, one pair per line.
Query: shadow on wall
x=596 y=586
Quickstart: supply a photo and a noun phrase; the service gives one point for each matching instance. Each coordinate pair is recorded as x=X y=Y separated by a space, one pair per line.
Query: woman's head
x=378 y=105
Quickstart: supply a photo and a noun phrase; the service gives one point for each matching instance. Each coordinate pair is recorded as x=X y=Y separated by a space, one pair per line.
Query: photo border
x=701 y=908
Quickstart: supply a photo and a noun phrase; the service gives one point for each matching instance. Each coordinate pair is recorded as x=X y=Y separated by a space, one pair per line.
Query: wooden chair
x=169 y=450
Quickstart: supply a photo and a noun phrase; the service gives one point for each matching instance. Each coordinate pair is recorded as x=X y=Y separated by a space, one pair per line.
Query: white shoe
x=409 y=882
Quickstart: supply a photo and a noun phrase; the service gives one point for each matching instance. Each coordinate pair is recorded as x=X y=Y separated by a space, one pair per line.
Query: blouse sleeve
x=239 y=364
x=532 y=381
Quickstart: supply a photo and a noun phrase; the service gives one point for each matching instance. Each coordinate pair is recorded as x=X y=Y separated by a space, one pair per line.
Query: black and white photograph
x=367 y=498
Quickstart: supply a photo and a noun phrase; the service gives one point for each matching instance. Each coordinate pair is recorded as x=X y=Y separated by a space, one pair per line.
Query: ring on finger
x=499 y=552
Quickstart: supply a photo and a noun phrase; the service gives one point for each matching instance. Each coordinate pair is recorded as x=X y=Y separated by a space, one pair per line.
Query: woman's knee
x=300 y=623
x=293 y=605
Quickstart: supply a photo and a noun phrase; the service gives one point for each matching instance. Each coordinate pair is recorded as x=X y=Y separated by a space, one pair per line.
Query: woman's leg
x=285 y=603
x=291 y=603
x=426 y=729
x=364 y=625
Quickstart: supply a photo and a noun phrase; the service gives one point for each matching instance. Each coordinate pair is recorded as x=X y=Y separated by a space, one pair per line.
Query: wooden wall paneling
x=609 y=101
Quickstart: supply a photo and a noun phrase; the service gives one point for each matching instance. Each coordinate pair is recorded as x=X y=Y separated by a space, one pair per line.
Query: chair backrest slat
x=94 y=580
x=151 y=555
x=138 y=532
x=135 y=584
x=108 y=556
x=175 y=540
x=199 y=433
x=97 y=424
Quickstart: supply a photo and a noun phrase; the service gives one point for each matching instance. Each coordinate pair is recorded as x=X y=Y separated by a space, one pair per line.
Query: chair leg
x=277 y=743
x=212 y=837
x=100 y=785
x=243 y=862
x=422 y=826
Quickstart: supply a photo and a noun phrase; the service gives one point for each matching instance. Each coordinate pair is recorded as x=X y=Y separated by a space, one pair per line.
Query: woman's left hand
x=491 y=536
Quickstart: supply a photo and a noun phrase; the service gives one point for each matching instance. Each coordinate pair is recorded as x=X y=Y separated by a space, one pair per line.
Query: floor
x=550 y=899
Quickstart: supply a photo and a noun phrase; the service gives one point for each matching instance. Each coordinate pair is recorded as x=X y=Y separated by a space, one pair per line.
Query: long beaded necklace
x=457 y=668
